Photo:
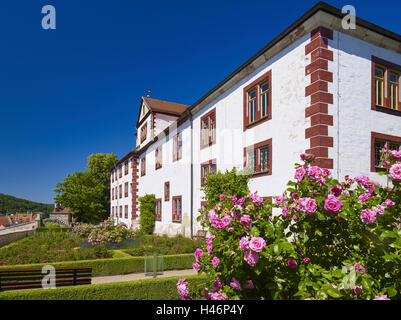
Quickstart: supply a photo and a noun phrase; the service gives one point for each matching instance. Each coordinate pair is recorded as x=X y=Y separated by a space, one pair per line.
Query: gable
x=143 y=111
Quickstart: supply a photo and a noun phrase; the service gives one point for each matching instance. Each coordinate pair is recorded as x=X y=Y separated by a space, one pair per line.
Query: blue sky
x=74 y=91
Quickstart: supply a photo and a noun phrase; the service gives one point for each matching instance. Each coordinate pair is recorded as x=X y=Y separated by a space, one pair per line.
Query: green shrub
x=147 y=213
x=121 y=263
x=164 y=245
x=230 y=183
x=151 y=289
x=52 y=228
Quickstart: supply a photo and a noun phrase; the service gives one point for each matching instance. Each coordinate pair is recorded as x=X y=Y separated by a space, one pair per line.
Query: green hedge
x=52 y=229
x=151 y=289
x=121 y=263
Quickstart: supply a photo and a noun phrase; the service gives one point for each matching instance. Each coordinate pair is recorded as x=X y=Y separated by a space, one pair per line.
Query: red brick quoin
x=320 y=97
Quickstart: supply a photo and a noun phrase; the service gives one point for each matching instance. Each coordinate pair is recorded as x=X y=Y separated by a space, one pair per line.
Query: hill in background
x=10 y=204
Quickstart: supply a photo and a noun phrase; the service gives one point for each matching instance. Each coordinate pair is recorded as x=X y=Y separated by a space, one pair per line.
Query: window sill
x=261 y=174
x=387 y=110
x=176 y=221
x=207 y=145
x=257 y=122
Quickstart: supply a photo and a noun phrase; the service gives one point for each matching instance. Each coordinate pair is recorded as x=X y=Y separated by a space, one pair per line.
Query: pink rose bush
x=320 y=239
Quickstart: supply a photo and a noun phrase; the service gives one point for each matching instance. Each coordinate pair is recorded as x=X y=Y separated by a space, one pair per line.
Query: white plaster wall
x=177 y=173
x=162 y=121
x=117 y=202
x=356 y=119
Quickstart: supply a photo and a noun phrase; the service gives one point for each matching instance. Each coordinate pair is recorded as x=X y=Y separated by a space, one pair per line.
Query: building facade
x=315 y=88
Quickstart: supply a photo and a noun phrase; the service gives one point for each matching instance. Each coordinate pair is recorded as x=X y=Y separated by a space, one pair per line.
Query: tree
x=88 y=193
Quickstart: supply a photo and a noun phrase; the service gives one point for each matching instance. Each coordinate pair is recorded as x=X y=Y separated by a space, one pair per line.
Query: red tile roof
x=4 y=221
x=62 y=210
x=165 y=106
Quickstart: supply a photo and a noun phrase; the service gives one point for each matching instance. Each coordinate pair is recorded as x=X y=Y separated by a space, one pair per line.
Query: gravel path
x=141 y=276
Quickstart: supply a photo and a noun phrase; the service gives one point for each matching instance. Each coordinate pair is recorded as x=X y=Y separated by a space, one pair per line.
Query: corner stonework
x=320 y=97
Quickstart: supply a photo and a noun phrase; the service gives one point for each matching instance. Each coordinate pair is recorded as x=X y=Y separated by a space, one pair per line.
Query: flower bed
x=49 y=247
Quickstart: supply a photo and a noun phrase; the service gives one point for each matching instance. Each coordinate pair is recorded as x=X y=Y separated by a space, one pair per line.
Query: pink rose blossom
x=306 y=260
x=357 y=290
x=240 y=201
x=217 y=296
x=357 y=266
x=332 y=204
x=307 y=205
x=368 y=216
x=244 y=243
x=226 y=221
x=235 y=284
x=246 y=220
x=382 y=297
x=257 y=244
x=217 y=284
x=292 y=263
x=336 y=191
x=196 y=266
x=364 y=197
x=251 y=258
x=300 y=174
x=249 y=285
x=395 y=172
x=198 y=253
x=233 y=199
x=222 y=196
x=388 y=203
x=215 y=261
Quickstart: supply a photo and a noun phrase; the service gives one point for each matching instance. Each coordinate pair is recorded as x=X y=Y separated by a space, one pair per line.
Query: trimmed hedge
x=54 y=229
x=121 y=263
x=152 y=289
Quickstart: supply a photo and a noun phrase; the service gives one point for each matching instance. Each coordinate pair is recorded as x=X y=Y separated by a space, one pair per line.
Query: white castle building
x=315 y=88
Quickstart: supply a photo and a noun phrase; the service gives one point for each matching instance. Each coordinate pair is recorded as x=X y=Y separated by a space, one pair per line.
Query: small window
x=126 y=212
x=167 y=191
x=379 y=84
x=158 y=157
x=208 y=129
x=378 y=142
x=207 y=168
x=126 y=189
x=120 y=171
x=121 y=211
x=144 y=131
x=143 y=166
x=177 y=147
x=120 y=189
x=252 y=106
x=264 y=99
x=258 y=158
x=393 y=87
x=158 y=210
x=126 y=168
x=177 y=209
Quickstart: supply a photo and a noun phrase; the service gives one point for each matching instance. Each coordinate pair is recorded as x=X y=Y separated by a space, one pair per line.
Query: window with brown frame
x=120 y=171
x=167 y=191
x=208 y=167
x=126 y=189
x=112 y=193
x=112 y=177
x=257 y=101
x=126 y=212
x=126 y=168
x=208 y=129
x=120 y=187
x=112 y=212
x=385 y=86
x=143 y=166
x=144 y=131
x=258 y=158
x=158 y=157
x=177 y=209
x=121 y=211
x=158 y=210
x=177 y=147
x=378 y=142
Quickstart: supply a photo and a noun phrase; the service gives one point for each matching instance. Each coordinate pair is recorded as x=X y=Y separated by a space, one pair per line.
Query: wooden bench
x=200 y=235
x=15 y=279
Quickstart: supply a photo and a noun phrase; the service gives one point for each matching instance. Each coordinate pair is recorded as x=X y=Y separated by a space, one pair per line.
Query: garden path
x=141 y=276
